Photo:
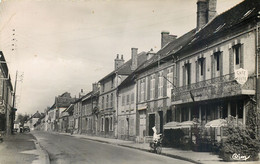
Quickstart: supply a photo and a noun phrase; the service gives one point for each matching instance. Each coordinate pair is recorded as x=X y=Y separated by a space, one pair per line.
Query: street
x=67 y=149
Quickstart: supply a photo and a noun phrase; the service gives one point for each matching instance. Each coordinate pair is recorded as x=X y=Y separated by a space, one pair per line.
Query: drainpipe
x=257 y=74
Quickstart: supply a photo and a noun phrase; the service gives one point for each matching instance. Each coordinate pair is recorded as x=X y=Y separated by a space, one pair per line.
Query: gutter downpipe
x=257 y=78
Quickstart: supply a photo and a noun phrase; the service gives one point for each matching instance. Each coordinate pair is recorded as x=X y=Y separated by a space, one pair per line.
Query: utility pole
x=13 y=106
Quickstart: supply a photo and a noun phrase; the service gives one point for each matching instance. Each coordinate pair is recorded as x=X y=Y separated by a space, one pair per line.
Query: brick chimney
x=166 y=38
x=134 y=56
x=150 y=54
x=206 y=10
x=95 y=87
x=119 y=62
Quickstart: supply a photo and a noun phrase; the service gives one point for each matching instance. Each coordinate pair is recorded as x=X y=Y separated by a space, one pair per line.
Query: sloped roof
x=63 y=101
x=220 y=25
x=125 y=69
x=168 y=49
x=224 y=23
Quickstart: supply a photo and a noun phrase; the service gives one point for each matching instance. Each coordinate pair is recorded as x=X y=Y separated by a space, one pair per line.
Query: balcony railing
x=219 y=87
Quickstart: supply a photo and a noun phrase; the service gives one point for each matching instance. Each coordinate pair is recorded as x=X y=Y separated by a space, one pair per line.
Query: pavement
x=186 y=155
x=22 y=148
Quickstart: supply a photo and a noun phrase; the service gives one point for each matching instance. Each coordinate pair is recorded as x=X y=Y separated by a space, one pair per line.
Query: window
x=217 y=55
x=142 y=90
x=102 y=124
x=169 y=77
x=103 y=102
x=160 y=85
x=123 y=100
x=132 y=98
x=152 y=87
x=103 y=87
x=107 y=101
x=127 y=99
x=202 y=62
x=112 y=82
x=112 y=100
x=237 y=54
x=187 y=74
x=111 y=123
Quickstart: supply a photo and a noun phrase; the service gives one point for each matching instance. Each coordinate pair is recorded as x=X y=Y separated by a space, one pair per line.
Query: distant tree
x=22 y=118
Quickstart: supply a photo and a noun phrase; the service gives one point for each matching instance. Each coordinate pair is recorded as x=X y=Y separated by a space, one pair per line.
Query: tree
x=22 y=118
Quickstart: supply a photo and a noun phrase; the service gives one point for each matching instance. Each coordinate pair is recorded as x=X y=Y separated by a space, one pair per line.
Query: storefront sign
x=241 y=76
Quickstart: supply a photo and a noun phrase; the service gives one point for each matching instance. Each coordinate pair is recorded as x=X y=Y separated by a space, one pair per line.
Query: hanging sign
x=241 y=76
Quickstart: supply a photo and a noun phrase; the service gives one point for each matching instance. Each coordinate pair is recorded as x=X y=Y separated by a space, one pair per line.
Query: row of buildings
x=208 y=73
x=7 y=110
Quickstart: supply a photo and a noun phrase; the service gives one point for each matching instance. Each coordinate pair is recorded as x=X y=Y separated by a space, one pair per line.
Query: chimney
x=94 y=87
x=119 y=62
x=81 y=93
x=166 y=38
x=206 y=10
x=134 y=58
x=212 y=5
x=150 y=54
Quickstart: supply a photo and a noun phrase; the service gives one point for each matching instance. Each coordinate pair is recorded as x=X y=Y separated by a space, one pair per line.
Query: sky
x=62 y=46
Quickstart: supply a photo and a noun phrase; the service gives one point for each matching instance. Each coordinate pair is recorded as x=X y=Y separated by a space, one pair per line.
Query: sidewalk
x=22 y=148
x=191 y=156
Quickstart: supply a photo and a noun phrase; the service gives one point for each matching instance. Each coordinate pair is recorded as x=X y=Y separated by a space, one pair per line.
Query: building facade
x=7 y=112
x=210 y=68
x=126 y=93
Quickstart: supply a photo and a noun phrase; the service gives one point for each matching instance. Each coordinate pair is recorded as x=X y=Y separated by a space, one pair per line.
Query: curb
x=46 y=155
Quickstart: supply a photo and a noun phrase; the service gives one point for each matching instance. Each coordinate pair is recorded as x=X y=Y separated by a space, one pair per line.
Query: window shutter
x=197 y=71
x=231 y=60
x=184 y=75
x=204 y=69
x=145 y=82
x=221 y=63
x=178 y=75
x=212 y=67
x=174 y=75
x=242 y=56
x=149 y=87
x=164 y=74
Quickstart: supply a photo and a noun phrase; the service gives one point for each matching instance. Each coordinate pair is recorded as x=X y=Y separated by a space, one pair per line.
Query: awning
x=216 y=123
x=171 y=125
x=179 y=125
x=142 y=108
x=186 y=124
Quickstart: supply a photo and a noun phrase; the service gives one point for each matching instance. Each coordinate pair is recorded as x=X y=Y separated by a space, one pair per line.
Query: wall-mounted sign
x=241 y=76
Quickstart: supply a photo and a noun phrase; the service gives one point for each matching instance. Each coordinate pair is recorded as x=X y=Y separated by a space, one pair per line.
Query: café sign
x=241 y=76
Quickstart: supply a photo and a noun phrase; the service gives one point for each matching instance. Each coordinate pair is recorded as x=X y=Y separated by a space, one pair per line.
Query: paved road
x=67 y=149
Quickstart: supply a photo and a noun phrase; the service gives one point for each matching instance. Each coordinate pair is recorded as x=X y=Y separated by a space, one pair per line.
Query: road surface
x=64 y=149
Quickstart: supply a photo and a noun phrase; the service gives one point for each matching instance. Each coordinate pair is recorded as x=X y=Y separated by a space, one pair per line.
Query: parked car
x=26 y=129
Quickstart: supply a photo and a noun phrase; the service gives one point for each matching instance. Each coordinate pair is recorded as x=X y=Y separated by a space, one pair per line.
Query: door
x=161 y=121
x=151 y=123
x=106 y=125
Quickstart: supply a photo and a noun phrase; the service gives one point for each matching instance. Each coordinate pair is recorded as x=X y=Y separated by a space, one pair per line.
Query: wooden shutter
x=178 y=74
x=242 y=56
x=231 y=60
x=184 y=75
x=212 y=66
x=204 y=69
x=221 y=63
x=197 y=71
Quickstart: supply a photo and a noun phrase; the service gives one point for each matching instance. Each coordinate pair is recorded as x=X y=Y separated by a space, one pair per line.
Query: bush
x=240 y=141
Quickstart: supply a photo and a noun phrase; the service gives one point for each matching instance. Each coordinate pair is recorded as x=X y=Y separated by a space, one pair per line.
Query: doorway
x=151 y=123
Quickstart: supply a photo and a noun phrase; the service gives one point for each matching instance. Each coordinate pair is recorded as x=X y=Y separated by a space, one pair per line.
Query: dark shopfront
x=206 y=111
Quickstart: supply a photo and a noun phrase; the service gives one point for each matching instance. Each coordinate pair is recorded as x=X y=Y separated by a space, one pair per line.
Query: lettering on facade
x=241 y=76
